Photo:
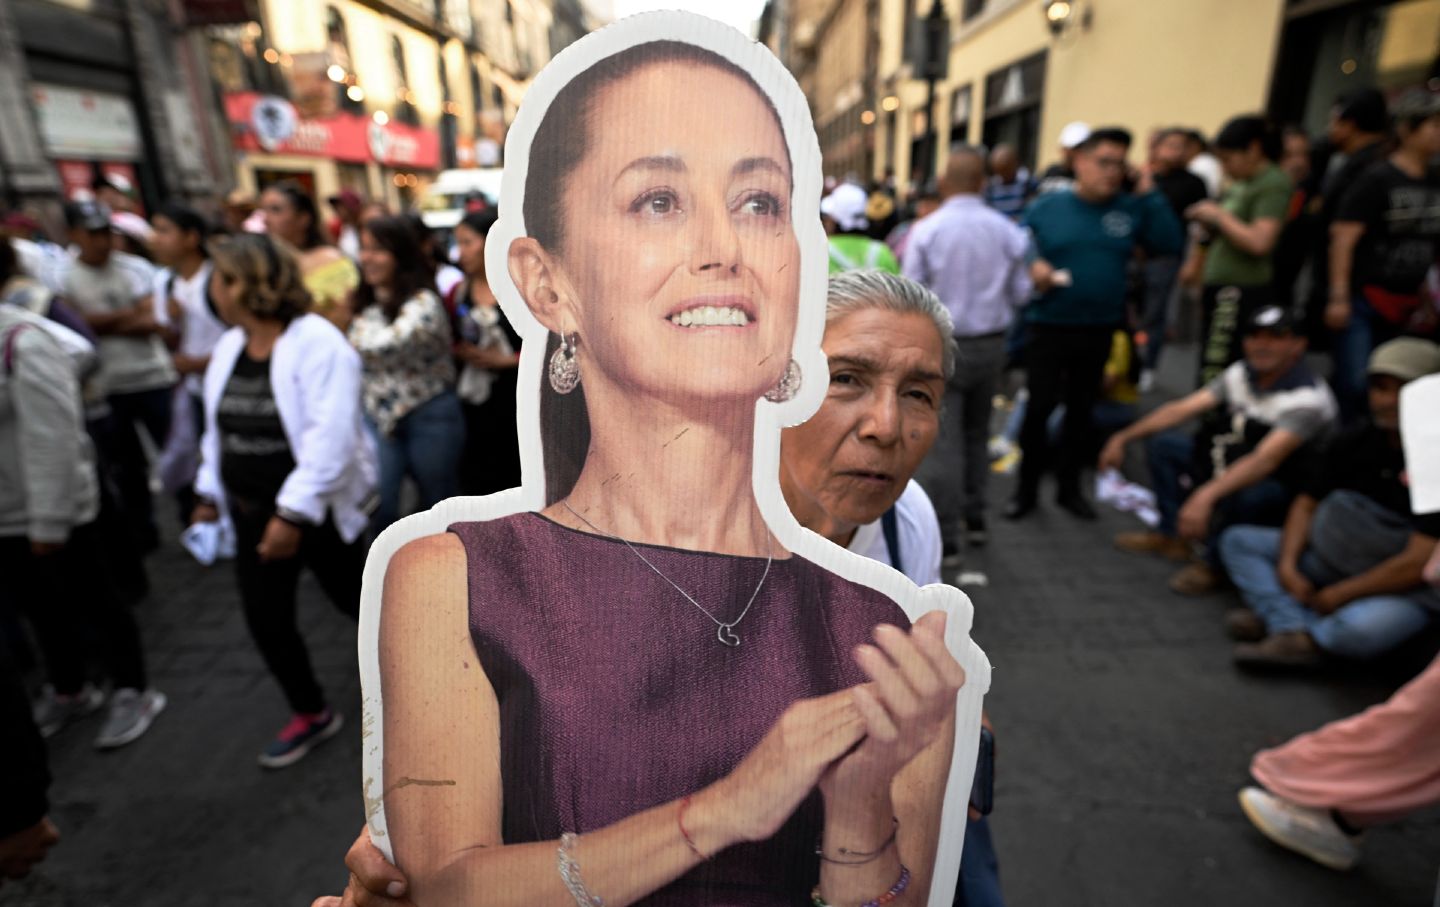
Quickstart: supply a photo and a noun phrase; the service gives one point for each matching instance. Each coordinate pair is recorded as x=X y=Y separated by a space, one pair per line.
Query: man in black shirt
x=1382 y=244
x=1355 y=139
x=1181 y=188
x=1344 y=576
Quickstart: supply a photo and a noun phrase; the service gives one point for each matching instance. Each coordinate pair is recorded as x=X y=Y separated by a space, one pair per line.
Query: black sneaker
x=1074 y=502
x=300 y=736
x=950 y=556
x=1019 y=507
x=976 y=536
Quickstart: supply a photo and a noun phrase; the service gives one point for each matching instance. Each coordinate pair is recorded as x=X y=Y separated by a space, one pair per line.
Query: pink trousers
x=1374 y=767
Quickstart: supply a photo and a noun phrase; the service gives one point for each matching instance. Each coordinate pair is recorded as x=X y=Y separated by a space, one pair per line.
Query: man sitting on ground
x=1344 y=575
x=1245 y=464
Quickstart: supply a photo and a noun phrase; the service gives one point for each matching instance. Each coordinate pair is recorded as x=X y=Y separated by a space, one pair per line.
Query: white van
x=443 y=204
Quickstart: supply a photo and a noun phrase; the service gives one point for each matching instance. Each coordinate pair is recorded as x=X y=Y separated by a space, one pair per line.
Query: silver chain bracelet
x=570 y=872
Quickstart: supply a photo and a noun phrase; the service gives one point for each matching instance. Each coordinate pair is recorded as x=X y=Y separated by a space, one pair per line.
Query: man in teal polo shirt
x=1082 y=241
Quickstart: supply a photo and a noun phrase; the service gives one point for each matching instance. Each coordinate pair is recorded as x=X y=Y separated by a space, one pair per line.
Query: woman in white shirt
x=286 y=454
x=402 y=332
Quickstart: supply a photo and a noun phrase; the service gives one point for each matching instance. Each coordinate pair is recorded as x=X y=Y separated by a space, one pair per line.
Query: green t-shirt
x=852 y=251
x=1265 y=195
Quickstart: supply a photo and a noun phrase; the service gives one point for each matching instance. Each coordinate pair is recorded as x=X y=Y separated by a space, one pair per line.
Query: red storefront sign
x=271 y=124
x=218 y=12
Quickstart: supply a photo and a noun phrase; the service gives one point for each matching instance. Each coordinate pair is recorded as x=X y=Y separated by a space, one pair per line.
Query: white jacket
x=315 y=376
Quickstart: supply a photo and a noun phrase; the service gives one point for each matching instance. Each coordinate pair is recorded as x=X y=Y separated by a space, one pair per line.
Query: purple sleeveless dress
x=616 y=695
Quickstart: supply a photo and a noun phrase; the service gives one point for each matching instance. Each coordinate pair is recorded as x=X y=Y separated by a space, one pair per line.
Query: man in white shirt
x=135 y=370
x=973 y=258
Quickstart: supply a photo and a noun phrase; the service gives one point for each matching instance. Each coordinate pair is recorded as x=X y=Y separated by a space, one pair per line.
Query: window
x=405 y=110
x=961 y=106
x=1012 y=107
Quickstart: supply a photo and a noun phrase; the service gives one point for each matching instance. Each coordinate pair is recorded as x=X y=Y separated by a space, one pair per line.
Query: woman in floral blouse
x=402 y=332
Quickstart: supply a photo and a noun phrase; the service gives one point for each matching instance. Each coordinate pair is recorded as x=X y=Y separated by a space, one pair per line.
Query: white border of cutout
x=770 y=418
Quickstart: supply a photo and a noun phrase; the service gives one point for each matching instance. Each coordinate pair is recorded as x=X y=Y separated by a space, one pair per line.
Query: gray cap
x=1406 y=358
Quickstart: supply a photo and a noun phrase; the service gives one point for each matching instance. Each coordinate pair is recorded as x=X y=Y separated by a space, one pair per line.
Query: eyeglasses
x=1109 y=163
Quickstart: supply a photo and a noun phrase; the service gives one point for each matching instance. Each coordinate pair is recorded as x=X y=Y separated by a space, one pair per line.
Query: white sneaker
x=1146 y=384
x=52 y=712
x=1307 y=831
x=131 y=713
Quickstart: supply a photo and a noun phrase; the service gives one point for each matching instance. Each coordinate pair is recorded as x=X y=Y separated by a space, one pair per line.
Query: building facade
x=1141 y=64
x=378 y=97
x=832 y=47
x=104 y=87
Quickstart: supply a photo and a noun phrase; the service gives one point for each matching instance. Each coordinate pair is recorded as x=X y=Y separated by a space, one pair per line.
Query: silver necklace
x=724 y=630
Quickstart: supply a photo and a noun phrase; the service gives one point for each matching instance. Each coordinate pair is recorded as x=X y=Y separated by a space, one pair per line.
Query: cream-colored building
x=1140 y=64
x=375 y=97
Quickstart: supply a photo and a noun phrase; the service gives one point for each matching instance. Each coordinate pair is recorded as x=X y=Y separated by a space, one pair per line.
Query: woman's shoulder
x=508 y=542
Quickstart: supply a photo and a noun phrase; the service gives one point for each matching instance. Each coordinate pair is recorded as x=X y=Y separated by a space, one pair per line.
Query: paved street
x=1123 y=735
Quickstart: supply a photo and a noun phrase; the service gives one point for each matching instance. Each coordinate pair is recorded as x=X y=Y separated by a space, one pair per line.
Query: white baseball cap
x=846 y=206
x=1074 y=134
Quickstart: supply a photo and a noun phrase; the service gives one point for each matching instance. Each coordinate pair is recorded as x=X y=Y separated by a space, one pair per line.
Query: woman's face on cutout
x=678 y=239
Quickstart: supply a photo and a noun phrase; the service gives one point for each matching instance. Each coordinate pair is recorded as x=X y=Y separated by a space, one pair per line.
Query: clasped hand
x=911 y=694
x=849 y=743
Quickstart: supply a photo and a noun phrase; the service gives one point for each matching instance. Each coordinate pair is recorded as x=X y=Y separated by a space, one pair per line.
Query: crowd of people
x=1310 y=265
x=296 y=386
x=278 y=388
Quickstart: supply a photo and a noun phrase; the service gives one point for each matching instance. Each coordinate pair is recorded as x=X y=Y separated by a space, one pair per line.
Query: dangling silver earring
x=564 y=369
x=788 y=386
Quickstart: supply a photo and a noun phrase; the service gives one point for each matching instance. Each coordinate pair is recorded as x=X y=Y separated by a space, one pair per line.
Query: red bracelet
x=680 y=821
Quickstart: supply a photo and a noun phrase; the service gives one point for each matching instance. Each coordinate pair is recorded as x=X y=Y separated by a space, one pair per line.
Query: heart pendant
x=726 y=634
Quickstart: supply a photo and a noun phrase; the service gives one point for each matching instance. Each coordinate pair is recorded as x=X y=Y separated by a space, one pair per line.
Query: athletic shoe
x=1307 y=831
x=1146 y=384
x=131 y=713
x=1007 y=463
x=976 y=535
x=53 y=711
x=951 y=556
x=1020 y=506
x=300 y=736
x=1074 y=502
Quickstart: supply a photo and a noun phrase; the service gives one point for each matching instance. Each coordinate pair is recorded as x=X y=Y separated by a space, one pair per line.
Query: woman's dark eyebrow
x=752 y=164
x=668 y=163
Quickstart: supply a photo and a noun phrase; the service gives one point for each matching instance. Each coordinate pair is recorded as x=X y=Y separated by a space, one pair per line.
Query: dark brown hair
x=303 y=203
x=560 y=144
x=413 y=271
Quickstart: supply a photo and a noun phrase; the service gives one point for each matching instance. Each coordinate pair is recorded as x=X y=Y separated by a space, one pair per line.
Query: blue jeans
x=1350 y=355
x=979 y=869
x=1171 y=456
x=426 y=446
x=1364 y=628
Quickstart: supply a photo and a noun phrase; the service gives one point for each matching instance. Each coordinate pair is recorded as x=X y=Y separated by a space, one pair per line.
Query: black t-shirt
x=1181 y=189
x=255 y=455
x=1401 y=215
x=1337 y=184
x=1363 y=459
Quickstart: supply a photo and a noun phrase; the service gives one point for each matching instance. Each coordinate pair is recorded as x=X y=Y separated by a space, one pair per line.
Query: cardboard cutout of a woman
x=636 y=679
